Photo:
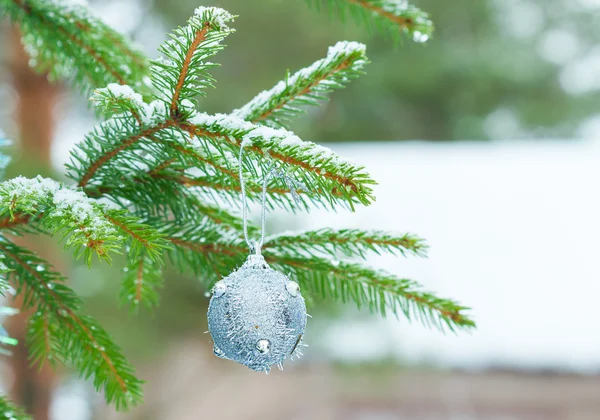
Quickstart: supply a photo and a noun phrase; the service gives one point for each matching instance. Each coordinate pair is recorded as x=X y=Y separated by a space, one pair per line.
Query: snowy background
x=513 y=230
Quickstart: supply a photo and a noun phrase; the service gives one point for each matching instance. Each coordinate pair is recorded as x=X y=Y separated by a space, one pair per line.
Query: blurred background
x=485 y=141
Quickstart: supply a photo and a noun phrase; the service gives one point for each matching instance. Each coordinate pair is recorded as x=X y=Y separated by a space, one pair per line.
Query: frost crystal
x=395 y=6
x=217 y=15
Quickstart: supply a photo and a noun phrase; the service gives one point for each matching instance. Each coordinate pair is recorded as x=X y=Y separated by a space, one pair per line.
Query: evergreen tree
x=157 y=179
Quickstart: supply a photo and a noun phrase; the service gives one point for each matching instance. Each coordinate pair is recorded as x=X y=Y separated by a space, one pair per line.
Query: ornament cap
x=255 y=261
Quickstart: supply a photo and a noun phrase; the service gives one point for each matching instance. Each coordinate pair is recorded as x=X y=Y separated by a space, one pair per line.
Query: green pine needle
x=350 y=242
x=307 y=87
x=392 y=17
x=379 y=291
x=10 y=411
x=58 y=332
x=142 y=282
x=67 y=41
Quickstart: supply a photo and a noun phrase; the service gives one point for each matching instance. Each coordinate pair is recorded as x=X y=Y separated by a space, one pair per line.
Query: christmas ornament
x=257 y=315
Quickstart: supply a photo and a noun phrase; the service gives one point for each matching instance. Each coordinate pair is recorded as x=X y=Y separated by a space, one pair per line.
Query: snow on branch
x=66 y=40
x=61 y=210
x=308 y=86
x=326 y=175
x=116 y=99
x=396 y=17
x=183 y=71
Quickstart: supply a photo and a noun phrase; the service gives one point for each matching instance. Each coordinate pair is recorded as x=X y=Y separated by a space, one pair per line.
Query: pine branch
x=142 y=281
x=394 y=17
x=151 y=135
x=206 y=248
x=11 y=411
x=123 y=133
x=83 y=223
x=183 y=73
x=80 y=220
x=209 y=249
x=379 y=291
x=116 y=99
x=350 y=242
x=331 y=179
x=58 y=332
x=67 y=41
x=207 y=142
x=307 y=87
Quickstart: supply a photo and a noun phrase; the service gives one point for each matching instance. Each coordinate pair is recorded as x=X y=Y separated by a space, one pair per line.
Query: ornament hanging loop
x=244 y=201
x=292 y=184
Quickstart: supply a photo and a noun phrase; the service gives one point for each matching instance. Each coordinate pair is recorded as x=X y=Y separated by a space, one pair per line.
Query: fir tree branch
x=308 y=86
x=183 y=72
x=120 y=140
x=379 y=291
x=341 y=281
x=204 y=247
x=142 y=281
x=143 y=238
x=198 y=139
x=70 y=337
x=59 y=209
x=350 y=242
x=66 y=40
x=330 y=178
x=11 y=411
x=395 y=17
x=126 y=142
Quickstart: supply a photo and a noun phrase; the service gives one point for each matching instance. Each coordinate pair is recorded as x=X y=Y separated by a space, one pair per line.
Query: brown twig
x=200 y=34
x=139 y=282
x=19 y=219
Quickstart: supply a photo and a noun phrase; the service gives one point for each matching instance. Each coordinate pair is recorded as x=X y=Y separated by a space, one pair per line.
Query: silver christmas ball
x=257 y=316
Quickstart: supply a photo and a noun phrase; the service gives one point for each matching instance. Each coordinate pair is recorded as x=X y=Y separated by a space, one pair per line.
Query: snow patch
x=62 y=202
x=215 y=14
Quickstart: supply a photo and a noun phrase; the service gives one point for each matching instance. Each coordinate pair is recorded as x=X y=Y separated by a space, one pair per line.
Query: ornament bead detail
x=293 y=288
x=219 y=289
x=263 y=346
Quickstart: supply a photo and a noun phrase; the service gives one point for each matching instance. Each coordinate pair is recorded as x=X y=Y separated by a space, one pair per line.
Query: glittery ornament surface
x=256 y=316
